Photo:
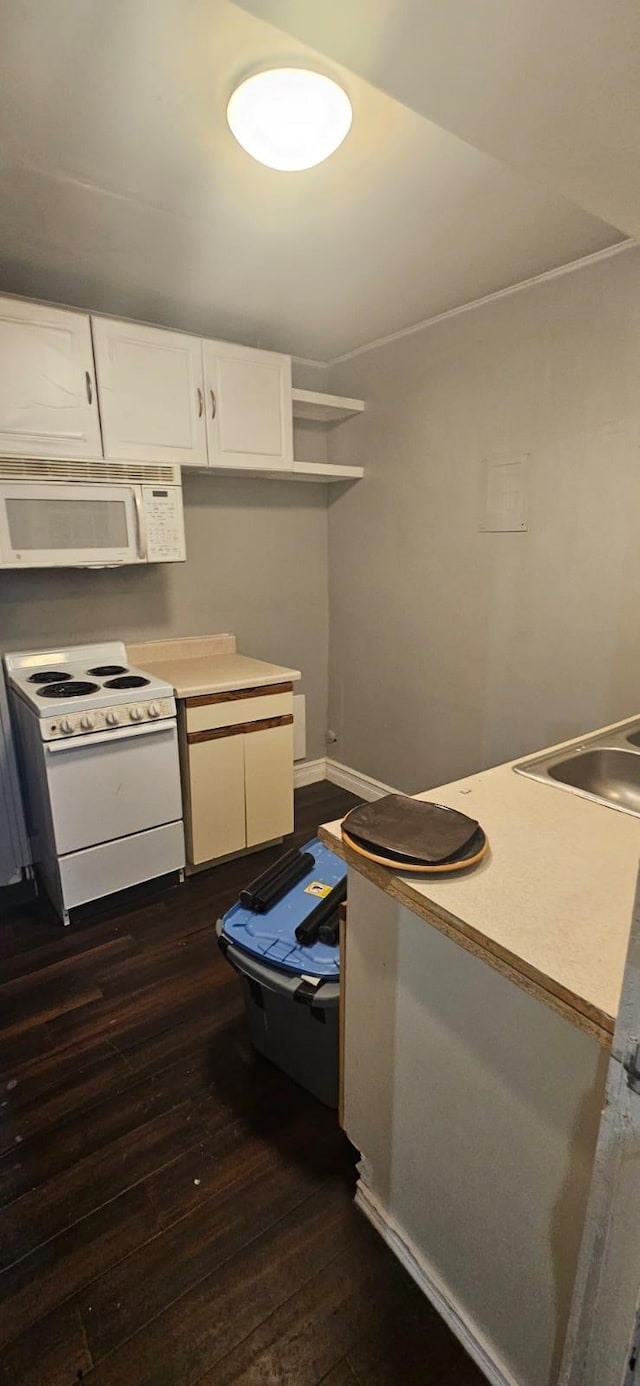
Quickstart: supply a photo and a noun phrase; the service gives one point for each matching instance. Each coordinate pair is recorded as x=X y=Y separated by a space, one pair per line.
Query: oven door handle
x=76 y=743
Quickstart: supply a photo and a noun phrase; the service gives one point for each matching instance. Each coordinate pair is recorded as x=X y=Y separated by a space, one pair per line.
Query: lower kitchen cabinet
x=268 y=780
x=216 y=810
x=237 y=768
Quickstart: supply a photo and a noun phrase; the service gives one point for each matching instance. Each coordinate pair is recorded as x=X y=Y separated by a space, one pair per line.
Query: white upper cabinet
x=248 y=407
x=48 y=405
x=151 y=388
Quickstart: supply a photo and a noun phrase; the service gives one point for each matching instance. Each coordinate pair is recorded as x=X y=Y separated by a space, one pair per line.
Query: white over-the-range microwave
x=77 y=514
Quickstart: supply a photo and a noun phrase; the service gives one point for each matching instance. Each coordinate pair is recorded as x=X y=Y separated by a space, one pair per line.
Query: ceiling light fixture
x=289 y=118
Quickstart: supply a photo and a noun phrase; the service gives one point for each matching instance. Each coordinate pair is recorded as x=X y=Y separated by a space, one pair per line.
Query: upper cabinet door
x=248 y=407
x=151 y=393
x=48 y=405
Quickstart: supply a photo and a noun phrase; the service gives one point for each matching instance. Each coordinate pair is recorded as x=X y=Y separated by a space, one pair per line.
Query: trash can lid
x=272 y=936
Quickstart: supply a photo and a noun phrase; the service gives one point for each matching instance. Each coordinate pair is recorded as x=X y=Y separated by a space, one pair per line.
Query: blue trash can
x=291 y=993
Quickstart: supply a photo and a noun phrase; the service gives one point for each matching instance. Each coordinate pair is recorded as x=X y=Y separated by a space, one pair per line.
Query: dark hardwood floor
x=174 y=1210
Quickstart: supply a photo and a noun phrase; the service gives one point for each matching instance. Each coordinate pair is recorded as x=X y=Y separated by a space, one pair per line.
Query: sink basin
x=605 y=768
x=605 y=773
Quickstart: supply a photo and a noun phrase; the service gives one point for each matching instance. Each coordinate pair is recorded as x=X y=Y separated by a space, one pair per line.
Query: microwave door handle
x=137 y=501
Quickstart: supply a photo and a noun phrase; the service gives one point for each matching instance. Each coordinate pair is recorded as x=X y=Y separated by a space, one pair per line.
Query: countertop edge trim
x=231 y=695
x=575 y=1009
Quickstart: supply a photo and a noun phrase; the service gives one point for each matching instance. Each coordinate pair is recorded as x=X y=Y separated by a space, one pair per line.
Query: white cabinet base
x=477 y=1109
x=237 y=771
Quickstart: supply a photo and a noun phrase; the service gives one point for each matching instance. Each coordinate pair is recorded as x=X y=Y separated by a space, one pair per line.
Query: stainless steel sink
x=605 y=768
x=604 y=774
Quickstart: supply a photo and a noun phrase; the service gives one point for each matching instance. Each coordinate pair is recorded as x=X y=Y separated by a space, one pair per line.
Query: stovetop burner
x=75 y=688
x=128 y=681
x=49 y=676
x=104 y=670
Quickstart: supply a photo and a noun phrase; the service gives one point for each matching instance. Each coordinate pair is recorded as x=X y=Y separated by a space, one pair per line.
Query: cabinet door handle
x=213 y=404
x=88 y=386
x=200 y=403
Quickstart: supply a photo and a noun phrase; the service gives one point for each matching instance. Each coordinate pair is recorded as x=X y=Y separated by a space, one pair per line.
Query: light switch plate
x=504 y=494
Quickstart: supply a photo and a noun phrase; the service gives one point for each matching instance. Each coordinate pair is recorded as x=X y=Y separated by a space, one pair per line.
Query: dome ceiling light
x=289 y=118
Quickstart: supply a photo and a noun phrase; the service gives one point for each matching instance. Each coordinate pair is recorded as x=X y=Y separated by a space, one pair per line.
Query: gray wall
x=256 y=565
x=450 y=649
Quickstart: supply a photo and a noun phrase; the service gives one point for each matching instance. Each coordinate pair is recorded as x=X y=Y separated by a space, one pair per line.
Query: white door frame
x=604 y=1319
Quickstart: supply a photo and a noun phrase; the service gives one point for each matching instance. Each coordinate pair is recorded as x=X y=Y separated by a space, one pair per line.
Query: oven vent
x=81 y=469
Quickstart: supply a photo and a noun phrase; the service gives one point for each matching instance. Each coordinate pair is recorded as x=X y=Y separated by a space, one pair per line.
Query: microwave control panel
x=164 y=523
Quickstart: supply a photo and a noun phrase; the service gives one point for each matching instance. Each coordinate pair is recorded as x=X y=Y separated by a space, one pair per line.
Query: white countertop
x=551 y=904
x=199 y=665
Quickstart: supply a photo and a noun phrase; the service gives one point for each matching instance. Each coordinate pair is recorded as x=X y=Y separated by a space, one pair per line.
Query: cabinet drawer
x=205 y=716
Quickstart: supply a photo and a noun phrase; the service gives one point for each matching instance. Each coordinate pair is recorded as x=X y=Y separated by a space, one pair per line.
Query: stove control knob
x=112 y=718
x=86 y=722
x=154 y=709
x=66 y=726
x=136 y=713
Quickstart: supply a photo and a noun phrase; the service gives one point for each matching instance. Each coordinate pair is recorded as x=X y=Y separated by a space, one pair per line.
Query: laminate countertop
x=206 y=664
x=550 y=906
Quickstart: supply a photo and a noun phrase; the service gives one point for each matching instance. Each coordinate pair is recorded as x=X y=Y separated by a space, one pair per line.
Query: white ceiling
x=550 y=86
x=122 y=189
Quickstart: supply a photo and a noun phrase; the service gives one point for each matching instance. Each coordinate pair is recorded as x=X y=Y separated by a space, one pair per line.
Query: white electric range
x=98 y=750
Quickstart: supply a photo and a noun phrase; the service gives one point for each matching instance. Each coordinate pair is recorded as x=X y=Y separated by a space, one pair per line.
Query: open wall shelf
x=322 y=408
x=301 y=471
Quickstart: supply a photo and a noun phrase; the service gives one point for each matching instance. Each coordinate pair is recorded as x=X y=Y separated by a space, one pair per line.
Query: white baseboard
x=357 y=783
x=464 y=1329
x=309 y=772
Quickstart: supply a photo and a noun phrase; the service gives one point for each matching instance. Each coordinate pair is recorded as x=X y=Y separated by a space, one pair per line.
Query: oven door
x=113 y=784
x=54 y=525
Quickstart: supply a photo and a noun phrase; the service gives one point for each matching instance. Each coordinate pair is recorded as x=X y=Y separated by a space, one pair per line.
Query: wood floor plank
x=464 y=1373
x=72 y=965
x=171 y=958
x=55 y=1087
x=342 y=1375
x=204 y=1325
x=406 y=1341
x=172 y=1193
x=40 y=1157
x=61 y=1267
x=57 y=1355
x=73 y=1193
x=195 y=1026
x=34 y=932
x=140 y=1015
x=51 y=1001
x=190 y=1249
x=311 y=1331
x=342 y=1307
x=286 y=1136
